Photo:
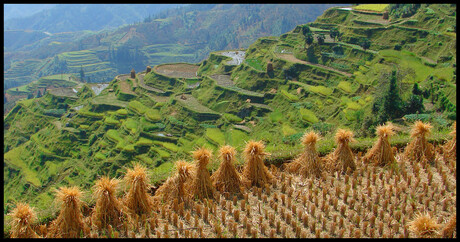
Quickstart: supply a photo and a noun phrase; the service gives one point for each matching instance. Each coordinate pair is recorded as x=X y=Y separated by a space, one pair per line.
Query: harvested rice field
x=385 y=193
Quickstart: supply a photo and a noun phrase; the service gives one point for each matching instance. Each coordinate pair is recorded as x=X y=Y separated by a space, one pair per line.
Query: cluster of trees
x=390 y=105
x=399 y=10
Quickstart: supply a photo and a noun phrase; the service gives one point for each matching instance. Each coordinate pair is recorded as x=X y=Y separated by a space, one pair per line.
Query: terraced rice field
x=191 y=103
x=291 y=58
x=180 y=70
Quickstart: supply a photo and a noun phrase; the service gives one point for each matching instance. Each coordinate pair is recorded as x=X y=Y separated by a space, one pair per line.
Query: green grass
x=144 y=142
x=345 y=86
x=162 y=172
x=138 y=107
x=287 y=130
x=325 y=91
x=413 y=64
x=308 y=115
x=170 y=146
x=215 y=135
x=254 y=63
x=114 y=136
x=131 y=125
x=153 y=115
x=232 y=118
x=15 y=158
x=372 y=7
x=111 y=121
x=276 y=116
x=237 y=138
x=289 y=96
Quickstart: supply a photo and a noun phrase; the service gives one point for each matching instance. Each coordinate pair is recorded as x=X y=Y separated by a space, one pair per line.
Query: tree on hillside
x=365 y=43
x=392 y=103
x=82 y=74
x=39 y=94
x=321 y=38
x=309 y=39
x=334 y=33
x=305 y=30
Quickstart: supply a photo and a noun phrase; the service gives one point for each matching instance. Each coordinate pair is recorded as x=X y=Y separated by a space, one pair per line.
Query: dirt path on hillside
x=291 y=58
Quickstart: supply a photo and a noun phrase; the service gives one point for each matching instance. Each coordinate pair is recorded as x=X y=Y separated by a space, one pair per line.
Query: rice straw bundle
x=450 y=148
x=308 y=163
x=108 y=209
x=450 y=227
x=382 y=152
x=424 y=226
x=226 y=179
x=419 y=149
x=255 y=173
x=22 y=218
x=201 y=185
x=137 y=200
x=174 y=187
x=342 y=157
x=69 y=223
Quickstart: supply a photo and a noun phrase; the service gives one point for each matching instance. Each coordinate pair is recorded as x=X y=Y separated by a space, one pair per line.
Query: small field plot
x=223 y=80
x=63 y=92
x=371 y=7
x=180 y=70
x=191 y=103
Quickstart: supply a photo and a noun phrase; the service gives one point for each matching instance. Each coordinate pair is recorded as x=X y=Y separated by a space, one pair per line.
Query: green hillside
x=283 y=87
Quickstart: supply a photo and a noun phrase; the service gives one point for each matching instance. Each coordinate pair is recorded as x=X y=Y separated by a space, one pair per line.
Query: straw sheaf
x=423 y=225
x=308 y=163
x=255 y=148
x=420 y=129
x=174 y=187
x=106 y=186
x=23 y=217
x=183 y=169
x=385 y=130
x=255 y=173
x=108 y=209
x=342 y=157
x=226 y=179
x=381 y=152
x=69 y=195
x=202 y=155
x=310 y=138
x=138 y=173
x=344 y=136
x=201 y=185
x=227 y=153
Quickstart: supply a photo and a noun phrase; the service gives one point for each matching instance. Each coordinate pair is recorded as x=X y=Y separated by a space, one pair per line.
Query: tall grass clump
x=23 y=217
x=419 y=149
x=69 y=223
x=137 y=199
x=381 y=153
x=308 y=164
x=226 y=179
x=342 y=157
x=255 y=173
x=108 y=209
x=201 y=186
x=174 y=187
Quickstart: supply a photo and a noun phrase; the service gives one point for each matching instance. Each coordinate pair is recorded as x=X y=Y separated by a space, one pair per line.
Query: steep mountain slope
x=185 y=34
x=78 y=17
x=280 y=87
